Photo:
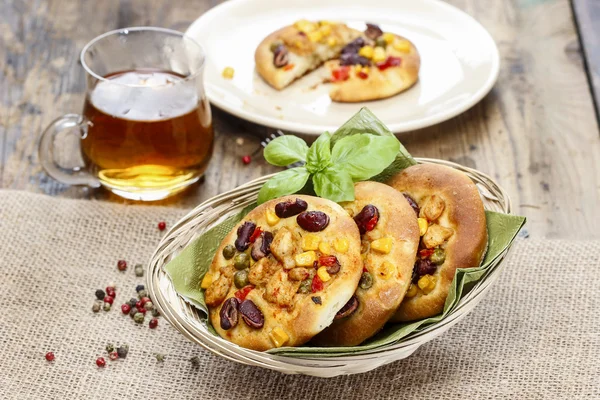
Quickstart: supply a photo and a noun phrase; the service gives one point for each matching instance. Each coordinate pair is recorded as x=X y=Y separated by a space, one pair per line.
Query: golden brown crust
x=378 y=303
x=263 y=57
x=379 y=84
x=463 y=213
x=305 y=318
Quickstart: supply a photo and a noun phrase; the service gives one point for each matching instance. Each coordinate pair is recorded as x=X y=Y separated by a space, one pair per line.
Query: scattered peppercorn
x=49 y=356
x=246 y=160
x=113 y=356
x=110 y=348
x=155 y=312
x=109 y=299
x=139 y=304
x=149 y=306
x=100 y=294
x=97 y=306
x=142 y=293
x=106 y=307
x=138 y=317
x=122 y=350
x=100 y=362
x=139 y=270
x=195 y=361
x=125 y=308
x=162 y=225
x=160 y=357
x=144 y=300
x=139 y=288
x=122 y=265
x=153 y=323
x=110 y=291
x=141 y=310
x=133 y=312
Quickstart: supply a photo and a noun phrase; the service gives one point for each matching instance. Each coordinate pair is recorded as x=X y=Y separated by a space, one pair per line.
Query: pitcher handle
x=70 y=176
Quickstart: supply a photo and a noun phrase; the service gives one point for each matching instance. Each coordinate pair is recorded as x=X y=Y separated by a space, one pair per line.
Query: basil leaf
x=363 y=155
x=365 y=121
x=334 y=183
x=319 y=154
x=285 y=150
x=286 y=182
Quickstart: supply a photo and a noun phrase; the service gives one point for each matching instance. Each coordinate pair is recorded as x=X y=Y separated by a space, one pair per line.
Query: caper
x=366 y=280
x=438 y=257
x=275 y=45
x=241 y=261
x=380 y=42
x=305 y=286
x=228 y=252
x=240 y=279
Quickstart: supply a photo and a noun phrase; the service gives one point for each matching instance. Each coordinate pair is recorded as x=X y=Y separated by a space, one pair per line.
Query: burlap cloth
x=536 y=335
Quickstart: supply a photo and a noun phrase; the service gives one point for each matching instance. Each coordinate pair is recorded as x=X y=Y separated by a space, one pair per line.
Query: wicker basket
x=186 y=318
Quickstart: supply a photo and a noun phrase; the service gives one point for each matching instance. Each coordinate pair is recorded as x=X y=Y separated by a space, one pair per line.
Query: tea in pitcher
x=148 y=130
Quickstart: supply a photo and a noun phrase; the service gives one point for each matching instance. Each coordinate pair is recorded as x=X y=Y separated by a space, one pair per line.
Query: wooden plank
x=535 y=133
x=587 y=18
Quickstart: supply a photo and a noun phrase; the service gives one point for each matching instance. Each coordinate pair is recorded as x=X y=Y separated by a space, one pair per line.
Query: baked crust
x=463 y=213
x=304 y=318
x=380 y=84
x=378 y=303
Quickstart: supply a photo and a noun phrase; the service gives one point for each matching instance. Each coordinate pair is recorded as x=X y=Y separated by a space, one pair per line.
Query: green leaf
x=334 y=183
x=364 y=155
x=286 y=150
x=285 y=182
x=319 y=154
x=365 y=121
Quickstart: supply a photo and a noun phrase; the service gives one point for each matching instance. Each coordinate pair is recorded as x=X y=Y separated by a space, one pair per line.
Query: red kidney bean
x=412 y=203
x=229 y=313
x=280 y=56
x=367 y=218
x=262 y=246
x=290 y=208
x=244 y=232
x=331 y=262
x=313 y=221
x=423 y=267
x=251 y=315
x=373 y=31
x=348 y=309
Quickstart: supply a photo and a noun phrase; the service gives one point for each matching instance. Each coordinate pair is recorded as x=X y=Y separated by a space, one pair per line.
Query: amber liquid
x=148 y=140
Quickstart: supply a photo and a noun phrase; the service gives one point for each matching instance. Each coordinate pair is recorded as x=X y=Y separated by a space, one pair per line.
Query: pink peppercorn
x=49 y=356
x=142 y=310
x=113 y=356
x=125 y=308
x=162 y=225
x=100 y=362
x=153 y=323
x=122 y=265
x=246 y=160
x=144 y=300
x=110 y=291
x=108 y=299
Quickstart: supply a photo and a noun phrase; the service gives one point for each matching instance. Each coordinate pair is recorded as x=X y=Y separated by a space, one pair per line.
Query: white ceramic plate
x=459 y=62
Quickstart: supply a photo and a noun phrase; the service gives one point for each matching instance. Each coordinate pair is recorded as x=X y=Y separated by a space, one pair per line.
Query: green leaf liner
x=187 y=269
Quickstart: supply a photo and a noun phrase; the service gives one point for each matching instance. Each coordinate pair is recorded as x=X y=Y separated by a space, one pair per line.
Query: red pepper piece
x=317 y=284
x=255 y=234
x=372 y=222
x=243 y=292
x=365 y=270
x=288 y=67
x=426 y=253
x=327 y=261
x=389 y=62
x=340 y=74
x=362 y=75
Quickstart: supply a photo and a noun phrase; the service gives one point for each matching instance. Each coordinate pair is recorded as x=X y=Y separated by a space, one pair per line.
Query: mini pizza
x=390 y=238
x=281 y=275
x=361 y=66
x=453 y=234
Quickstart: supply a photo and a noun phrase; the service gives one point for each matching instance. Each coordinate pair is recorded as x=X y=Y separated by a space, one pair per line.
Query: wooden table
x=535 y=133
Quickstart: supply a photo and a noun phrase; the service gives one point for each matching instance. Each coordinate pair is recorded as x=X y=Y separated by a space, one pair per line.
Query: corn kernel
x=325 y=248
x=315 y=36
x=388 y=37
x=379 y=54
x=402 y=46
x=206 y=281
x=323 y=274
x=325 y=30
x=366 y=70
x=278 y=337
x=432 y=283
x=228 y=73
x=412 y=291
x=423 y=225
x=366 y=51
x=387 y=270
x=272 y=218
x=424 y=281
x=325 y=22
x=305 y=259
x=341 y=245
x=310 y=242
x=305 y=26
x=383 y=245
x=331 y=41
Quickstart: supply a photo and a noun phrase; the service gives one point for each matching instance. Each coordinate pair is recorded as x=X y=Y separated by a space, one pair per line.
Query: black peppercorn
x=100 y=294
